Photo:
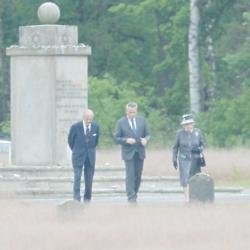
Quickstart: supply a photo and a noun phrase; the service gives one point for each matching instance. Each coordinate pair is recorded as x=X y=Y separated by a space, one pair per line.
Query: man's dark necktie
x=87 y=133
x=133 y=125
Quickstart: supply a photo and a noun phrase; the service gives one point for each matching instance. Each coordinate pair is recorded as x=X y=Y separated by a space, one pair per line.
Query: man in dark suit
x=132 y=133
x=83 y=139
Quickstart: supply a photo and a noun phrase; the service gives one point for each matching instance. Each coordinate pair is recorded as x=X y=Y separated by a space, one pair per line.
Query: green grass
x=245 y=183
x=237 y=180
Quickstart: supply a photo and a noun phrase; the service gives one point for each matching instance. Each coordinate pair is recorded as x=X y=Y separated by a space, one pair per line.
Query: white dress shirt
x=130 y=122
x=85 y=127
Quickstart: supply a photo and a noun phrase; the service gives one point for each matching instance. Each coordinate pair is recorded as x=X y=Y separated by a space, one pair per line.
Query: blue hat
x=187 y=119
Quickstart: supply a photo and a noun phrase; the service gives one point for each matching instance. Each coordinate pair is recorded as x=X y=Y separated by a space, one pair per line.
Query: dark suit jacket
x=124 y=131
x=80 y=147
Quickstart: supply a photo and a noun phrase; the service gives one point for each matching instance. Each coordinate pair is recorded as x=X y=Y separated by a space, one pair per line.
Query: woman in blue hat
x=187 y=151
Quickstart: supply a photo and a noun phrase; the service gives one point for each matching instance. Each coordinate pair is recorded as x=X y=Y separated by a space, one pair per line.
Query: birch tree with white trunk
x=193 y=57
x=2 y=104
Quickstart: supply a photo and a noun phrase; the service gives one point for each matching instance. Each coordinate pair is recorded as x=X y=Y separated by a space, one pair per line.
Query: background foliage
x=140 y=53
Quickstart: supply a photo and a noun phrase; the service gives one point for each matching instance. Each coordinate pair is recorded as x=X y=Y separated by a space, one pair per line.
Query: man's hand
x=131 y=141
x=144 y=141
x=175 y=164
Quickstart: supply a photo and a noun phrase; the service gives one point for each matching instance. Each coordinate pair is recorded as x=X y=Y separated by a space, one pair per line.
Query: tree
x=215 y=15
x=193 y=59
x=3 y=83
x=1 y=57
x=210 y=56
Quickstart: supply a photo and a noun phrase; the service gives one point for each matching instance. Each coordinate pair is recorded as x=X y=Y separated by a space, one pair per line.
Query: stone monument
x=201 y=188
x=48 y=89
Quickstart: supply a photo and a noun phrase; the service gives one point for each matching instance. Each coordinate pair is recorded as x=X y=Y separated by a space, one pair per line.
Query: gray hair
x=132 y=105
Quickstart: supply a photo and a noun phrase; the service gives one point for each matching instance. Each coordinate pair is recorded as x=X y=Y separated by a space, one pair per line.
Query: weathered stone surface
x=71 y=205
x=49 y=72
x=70 y=209
x=66 y=50
x=201 y=188
x=47 y=35
x=48 y=13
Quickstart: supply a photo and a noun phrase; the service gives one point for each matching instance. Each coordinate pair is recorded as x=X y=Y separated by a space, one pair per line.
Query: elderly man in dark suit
x=133 y=135
x=83 y=139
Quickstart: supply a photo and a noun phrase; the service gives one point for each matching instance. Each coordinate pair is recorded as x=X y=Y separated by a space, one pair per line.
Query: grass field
x=39 y=226
x=26 y=226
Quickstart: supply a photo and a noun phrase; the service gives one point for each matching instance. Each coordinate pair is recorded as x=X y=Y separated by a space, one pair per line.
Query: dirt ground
x=222 y=164
x=143 y=227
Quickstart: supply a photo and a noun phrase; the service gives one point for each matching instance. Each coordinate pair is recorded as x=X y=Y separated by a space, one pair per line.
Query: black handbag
x=202 y=160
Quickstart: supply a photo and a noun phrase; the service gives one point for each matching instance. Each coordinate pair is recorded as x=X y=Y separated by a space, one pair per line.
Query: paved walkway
x=155 y=199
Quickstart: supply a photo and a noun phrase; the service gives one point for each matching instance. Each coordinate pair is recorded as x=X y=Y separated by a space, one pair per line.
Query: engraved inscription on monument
x=70 y=103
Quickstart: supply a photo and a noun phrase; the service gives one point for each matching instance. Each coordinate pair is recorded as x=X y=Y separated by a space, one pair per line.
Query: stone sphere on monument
x=48 y=13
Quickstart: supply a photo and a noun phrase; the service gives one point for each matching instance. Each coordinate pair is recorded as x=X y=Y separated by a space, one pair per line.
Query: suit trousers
x=133 y=176
x=88 y=180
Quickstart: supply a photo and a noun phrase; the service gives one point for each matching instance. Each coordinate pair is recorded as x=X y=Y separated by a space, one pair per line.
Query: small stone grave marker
x=201 y=188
